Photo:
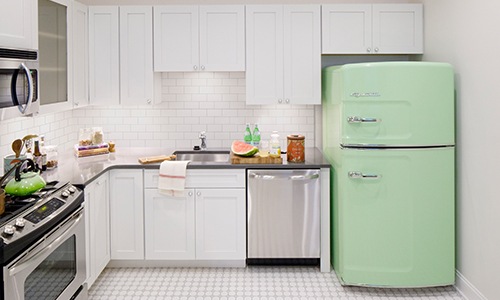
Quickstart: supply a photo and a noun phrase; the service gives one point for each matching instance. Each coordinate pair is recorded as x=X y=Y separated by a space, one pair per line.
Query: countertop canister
x=295 y=151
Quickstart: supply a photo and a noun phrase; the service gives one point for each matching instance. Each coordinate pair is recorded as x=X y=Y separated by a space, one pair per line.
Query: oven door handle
x=28 y=259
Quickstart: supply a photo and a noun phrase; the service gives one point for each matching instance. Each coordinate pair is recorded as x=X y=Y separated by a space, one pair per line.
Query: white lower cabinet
x=169 y=225
x=208 y=223
x=127 y=214
x=220 y=224
x=97 y=227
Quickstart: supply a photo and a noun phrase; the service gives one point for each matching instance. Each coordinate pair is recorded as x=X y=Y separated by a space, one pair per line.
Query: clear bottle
x=256 y=136
x=37 y=156
x=248 y=134
x=44 y=152
x=274 y=145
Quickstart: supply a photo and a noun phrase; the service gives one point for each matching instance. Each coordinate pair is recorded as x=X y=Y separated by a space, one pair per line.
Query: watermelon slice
x=243 y=149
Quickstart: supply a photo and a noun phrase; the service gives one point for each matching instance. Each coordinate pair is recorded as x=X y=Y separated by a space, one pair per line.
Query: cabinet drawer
x=206 y=178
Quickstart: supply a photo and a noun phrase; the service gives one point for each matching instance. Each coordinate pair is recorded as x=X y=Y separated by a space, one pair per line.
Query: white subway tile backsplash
x=190 y=102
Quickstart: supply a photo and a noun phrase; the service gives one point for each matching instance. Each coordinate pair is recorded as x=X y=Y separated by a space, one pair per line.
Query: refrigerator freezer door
x=393 y=103
x=394 y=217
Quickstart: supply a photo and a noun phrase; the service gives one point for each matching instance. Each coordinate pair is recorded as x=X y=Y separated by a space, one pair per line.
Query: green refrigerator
x=389 y=134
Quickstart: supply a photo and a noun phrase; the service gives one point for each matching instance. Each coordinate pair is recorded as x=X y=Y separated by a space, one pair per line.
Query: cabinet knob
x=195 y=67
x=287 y=101
x=368 y=50
x=376 y=49
x=149 y=101
x=280 y=100
x=198 y=194
x=190 y=194
x=203 y=67
x=77 y=103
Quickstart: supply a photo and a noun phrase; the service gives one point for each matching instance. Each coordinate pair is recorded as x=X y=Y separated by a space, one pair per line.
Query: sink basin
x=208 y=156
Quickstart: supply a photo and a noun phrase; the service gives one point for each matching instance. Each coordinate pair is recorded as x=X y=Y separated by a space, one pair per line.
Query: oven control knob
x=71 y=189
x=20 y=223
x=9 y=230
x=65 y=194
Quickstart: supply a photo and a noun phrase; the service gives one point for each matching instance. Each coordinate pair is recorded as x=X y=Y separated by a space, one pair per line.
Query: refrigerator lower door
x=394 y=217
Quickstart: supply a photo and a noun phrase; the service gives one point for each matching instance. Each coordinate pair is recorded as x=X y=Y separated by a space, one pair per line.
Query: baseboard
x=177 y=263
x=467 y=289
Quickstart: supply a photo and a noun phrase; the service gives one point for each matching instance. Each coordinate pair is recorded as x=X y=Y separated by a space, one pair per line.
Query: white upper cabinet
x=222 y=38
x=372 y=29
x=199 y=38
x=283 y=50
x=176 y=38
x=80 y=55
x=398 y=28
x=121 y=55
x=104 y=63
x=136 y=55
x=19 y=24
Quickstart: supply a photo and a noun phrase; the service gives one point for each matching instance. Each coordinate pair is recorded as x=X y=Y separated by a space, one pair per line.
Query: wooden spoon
x=17 y=146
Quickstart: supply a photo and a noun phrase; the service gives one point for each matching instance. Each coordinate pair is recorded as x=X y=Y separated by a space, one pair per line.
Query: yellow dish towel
x=172 y=180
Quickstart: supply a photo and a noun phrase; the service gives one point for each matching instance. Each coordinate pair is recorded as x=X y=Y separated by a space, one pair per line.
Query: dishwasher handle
x=288 y=177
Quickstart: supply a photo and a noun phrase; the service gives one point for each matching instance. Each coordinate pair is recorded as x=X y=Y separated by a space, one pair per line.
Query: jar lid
x=296 y=137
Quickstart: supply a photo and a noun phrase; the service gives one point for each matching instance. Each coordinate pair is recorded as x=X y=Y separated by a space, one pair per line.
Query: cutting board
x=256 y=159
x=155 y=159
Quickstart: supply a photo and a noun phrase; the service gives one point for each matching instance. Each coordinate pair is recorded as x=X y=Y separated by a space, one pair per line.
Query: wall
x=57 y=127
x=464 y=33
x=192 y=102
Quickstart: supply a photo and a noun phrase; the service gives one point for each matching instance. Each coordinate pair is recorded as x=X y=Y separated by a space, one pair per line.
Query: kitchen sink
x=208 y=156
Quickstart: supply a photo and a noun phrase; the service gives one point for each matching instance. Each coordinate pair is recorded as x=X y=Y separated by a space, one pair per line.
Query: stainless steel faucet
x=203 y=138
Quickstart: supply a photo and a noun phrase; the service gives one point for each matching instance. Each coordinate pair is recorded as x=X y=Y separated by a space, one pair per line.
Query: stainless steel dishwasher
x=283 y=216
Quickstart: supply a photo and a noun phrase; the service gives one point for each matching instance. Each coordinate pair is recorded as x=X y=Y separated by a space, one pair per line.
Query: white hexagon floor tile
x=251 y=283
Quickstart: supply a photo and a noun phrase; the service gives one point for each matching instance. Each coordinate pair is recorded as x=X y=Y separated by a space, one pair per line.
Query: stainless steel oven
x=19 y=80
x=44 y=249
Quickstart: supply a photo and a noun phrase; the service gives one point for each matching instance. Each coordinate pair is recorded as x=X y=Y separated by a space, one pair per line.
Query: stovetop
x=15 y=205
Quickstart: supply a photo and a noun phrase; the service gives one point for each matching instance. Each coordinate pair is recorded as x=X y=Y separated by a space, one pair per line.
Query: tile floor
x=252 y=283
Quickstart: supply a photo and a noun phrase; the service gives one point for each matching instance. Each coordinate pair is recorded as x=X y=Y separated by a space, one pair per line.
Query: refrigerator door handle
x=356 y=119
x=360 y=175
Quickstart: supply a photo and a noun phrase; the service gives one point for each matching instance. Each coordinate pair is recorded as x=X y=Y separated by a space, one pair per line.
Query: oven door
x=53 y=268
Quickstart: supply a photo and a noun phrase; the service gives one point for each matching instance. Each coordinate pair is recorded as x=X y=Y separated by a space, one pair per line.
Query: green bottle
x=256 y=136
x=248 y=135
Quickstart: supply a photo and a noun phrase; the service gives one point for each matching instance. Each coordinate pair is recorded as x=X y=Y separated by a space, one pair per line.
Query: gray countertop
x=81 y=171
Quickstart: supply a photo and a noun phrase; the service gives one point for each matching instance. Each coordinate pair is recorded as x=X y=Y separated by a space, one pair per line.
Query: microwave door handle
x=13 y=88
x=28 y=259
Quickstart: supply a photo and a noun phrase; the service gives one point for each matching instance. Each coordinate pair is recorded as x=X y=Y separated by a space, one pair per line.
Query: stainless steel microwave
x=19 y=80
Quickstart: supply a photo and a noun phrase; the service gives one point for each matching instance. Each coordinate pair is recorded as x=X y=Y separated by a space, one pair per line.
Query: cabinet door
x=302 y=54
x=104 y=55
x=220 y=224
x=264 y=53
x=80 y=55
x=19 y=24
x=346 y=29
x=397 y=28
x=136 y=55
x=169 y=225
x=176 y=46
x=222 y=38
x=98 y=243
x=126 y=214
